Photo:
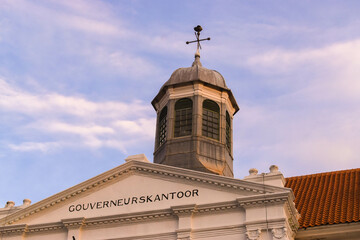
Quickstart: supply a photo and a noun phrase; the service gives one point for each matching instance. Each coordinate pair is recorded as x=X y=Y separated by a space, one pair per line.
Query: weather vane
x=198 y=29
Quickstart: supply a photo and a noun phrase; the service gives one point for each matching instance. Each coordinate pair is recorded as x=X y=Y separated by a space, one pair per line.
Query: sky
x=77 y=78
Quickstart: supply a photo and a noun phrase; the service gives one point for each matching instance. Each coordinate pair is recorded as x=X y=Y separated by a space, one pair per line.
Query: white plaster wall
x=224 y=237
x=58 y=235
x=265 y=212
x=47 y=236
x=130 y=230
x=11 y=237
x=218 y=219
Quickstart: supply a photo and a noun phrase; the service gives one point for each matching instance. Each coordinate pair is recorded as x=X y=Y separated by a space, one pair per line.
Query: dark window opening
x=210 y=119
x=228 y=131
x=183 y=117
x=162 y=126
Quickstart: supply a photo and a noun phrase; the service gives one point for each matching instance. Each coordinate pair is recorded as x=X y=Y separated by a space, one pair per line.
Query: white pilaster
x=74 y=226
x=184 y=214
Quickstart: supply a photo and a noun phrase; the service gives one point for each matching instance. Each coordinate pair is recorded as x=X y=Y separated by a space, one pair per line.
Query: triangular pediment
x=138 y=187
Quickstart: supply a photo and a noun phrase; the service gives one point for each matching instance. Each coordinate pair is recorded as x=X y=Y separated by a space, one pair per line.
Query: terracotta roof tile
x=327 y=198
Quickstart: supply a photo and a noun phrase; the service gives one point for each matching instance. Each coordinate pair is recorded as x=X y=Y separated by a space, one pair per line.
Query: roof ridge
x=324 y=173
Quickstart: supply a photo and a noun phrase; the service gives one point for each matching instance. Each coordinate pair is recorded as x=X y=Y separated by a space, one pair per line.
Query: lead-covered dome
x=196 y=73
x=193 y=74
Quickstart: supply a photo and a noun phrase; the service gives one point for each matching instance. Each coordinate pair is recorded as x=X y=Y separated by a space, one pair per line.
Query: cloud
x=140 y=126
x=88 y=25
x=18 y=100
x=121 y=62
x=34 y=146
x=316 y=76
x=72 y=121
x=79 y=130
x=87 y=17
x=318 y=139
x=337 y=55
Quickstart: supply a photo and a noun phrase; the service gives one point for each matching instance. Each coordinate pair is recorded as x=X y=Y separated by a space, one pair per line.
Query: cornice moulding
x=184 y=209
x=220 y=206
x=71 y=223
x=262 y=199
x=129 y=218
x=58 y=226
x=18 y=229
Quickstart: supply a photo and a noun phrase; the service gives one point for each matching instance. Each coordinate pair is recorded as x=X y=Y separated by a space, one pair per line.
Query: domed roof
x=196 y=73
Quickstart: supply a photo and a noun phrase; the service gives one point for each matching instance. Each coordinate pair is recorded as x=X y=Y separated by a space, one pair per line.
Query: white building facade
x=142 y=200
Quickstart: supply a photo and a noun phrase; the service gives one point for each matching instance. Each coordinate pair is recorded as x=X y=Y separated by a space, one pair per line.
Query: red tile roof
x=327 y=198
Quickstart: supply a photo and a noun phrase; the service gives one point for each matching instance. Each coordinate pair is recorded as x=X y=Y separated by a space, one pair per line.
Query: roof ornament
x=198 y=29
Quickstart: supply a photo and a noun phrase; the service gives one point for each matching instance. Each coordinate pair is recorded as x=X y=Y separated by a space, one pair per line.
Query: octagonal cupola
x=195 y=109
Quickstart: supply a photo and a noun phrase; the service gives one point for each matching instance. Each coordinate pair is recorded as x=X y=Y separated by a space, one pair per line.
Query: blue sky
x=77 y=78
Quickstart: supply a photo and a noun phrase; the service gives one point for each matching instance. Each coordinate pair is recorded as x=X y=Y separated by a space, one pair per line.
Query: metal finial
x=198 y=29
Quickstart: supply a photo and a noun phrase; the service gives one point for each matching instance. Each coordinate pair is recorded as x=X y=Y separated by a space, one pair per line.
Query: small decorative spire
x=26 y=202
x=253 y=171
x=10 y=204
x=197 y=54
x=274 y=169
x=197 y=29
x=197 y=59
